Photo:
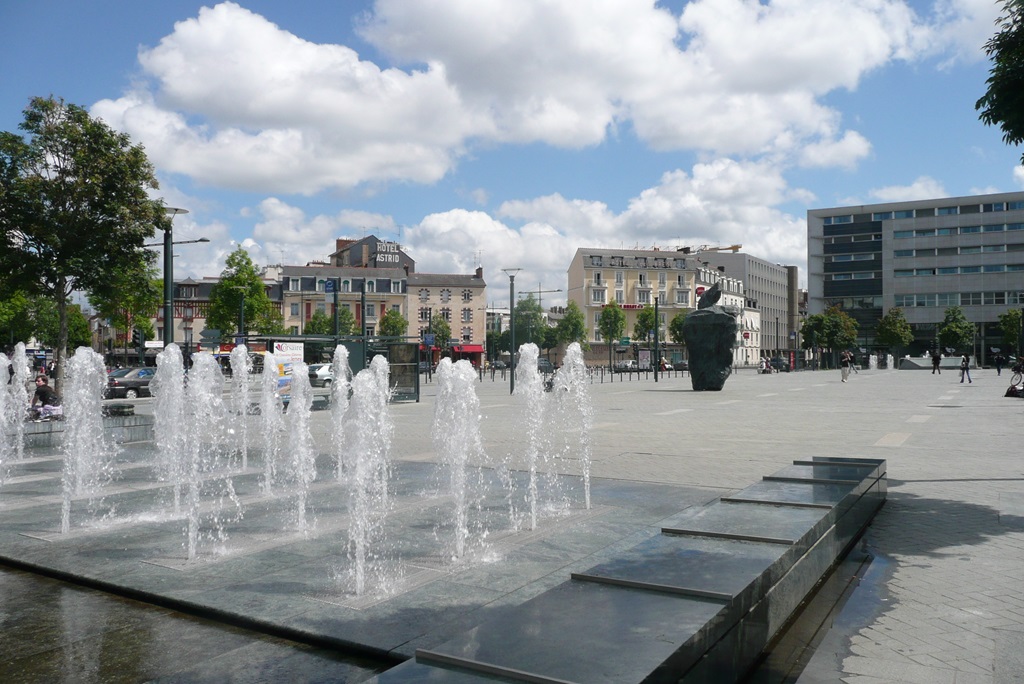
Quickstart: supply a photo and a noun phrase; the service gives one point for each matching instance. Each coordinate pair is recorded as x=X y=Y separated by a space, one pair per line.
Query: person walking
x=965 y=368
x=936 y=361
x=845 y=363
x=1000 y=361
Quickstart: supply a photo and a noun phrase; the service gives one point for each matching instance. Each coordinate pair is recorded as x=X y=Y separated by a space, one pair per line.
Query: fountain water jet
x=303 y=459
x=271 y=420
x=341 y=387
x=169 y=420
x=20 y=395
x=456 y=433
x=88 y=457
x=573 y=416
x=368 y=432
x=530 y=389
x=241 y=367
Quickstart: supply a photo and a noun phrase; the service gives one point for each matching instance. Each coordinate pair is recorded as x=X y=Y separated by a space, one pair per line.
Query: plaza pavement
x=933 y=595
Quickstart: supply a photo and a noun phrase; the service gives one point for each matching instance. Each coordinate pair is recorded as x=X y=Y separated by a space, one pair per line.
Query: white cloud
x=230 y=99
x=1018 y=176
x=924 y=187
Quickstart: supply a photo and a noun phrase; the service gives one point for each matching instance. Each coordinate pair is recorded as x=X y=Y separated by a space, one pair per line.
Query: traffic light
x=138 y=339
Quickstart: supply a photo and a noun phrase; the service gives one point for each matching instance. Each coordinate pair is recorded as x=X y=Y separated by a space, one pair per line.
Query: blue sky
x=508 y=134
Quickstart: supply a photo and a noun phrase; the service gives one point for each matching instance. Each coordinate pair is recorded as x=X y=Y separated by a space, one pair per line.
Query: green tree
x=442 y=333
x=346 y=321
x=834 y=330
x=47 y=325
x=1003 y=101
x=675 y=327
x=645 y=324
x=319 y=324
x=573 y=326
x=1010 y=323
x=956 y=331
x=549 y=338
x=893 y=330
x=74 y=207
x=611 y=323
x=393 y=324
x=133 y=304
x=529 y=321
x=16 y=323
x=240 y=282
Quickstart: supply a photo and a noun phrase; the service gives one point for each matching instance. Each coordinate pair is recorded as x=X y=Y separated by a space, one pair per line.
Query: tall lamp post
x=511 y=273
x=169 y=275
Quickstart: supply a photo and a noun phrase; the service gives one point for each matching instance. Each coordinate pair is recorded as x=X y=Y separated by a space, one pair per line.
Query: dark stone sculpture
x=710 y=334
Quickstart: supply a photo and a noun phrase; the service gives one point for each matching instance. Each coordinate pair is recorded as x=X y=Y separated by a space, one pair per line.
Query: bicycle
x=1018 y=374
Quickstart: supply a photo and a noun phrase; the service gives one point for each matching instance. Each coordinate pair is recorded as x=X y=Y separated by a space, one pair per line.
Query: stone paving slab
x=940 y=599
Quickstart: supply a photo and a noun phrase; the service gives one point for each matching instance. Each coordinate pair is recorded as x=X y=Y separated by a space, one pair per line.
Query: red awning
x=468 y=349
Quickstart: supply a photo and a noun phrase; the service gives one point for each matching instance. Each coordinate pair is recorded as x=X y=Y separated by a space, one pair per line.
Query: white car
x=320 y=374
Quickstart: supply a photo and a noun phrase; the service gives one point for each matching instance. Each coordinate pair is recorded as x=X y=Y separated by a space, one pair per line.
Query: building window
x=901 y=234
x=371 y=285
x=970 y=299
x=679 y=263
x=467 y=295
x=346 y=286
x=946 y=231
x=641 y=262
x=369 y=311
x=321 y=307
x=994 y=268
x=597 y=296
x=446 y=295
x=947 y=270
x=948 y=211
x=947 y=299
x=424 y=313
x=294 y=309
x=642 y=280
x=993 y=228
x=662 y=279
x=597 y=278
x=595 y=260
x=643 y=297
x=467 y=315
x=903 y=214
x=683 y=297
x=903 y=253
x=446 y=314
x=995 y=298
x=396 y=287
x=882 y=216
x=295 y=330
x=620 y=278
x=294 y=284
x=424 y=294
x=620 y=297
x=966 y=230
x=995 y=206
x=467 y=334
x=924 y=232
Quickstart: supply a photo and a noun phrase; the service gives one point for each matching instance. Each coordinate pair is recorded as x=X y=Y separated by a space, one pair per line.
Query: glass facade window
x=947 y=299
x=973 y=249
x=948 y=211
x=843 y=276
x=903 y=253
x=1015 y=267
x=1015 y=226
x=924 y=232
x=1015 y=206
x=902 y=234
x=924 y=271
x=994 y=268
x=970 y=299
x=834 y=220
x=946 y=231
x=903 y=273
x=903 y=214
x=970 y=269
x=993 y=248
x=995 y=298
x=995 y=206
x=863 y=276
x=966 y=230
x=881 y=216
x=948 y=270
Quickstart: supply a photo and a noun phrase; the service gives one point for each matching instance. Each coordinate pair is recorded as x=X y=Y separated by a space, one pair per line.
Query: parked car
x=129 y=383
x=780 y=364
x=681 y=365
x=498 y=364
x=320 y=375
x=545 y=366
x=627 y=366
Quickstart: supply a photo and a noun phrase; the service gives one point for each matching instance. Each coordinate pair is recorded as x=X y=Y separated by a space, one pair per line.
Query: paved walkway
x=939 y=602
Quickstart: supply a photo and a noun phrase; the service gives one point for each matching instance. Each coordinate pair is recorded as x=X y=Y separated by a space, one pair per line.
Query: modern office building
x=923 y=256
x=770 y=288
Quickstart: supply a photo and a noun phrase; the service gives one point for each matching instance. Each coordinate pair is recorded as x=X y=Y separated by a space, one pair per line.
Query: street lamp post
x=511 y=273
x=169 y=275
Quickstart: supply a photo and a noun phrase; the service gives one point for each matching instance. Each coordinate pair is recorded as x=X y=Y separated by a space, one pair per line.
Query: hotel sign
x=388 y=253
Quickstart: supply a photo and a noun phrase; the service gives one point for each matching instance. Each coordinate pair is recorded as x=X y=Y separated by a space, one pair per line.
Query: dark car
x=545 y=366
x=128 y=383
x=780 y=364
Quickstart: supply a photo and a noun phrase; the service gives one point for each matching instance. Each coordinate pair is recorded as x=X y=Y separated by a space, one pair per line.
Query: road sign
x=328 y=286
x=429 y=339
x=209 y=333
x=624 y=341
